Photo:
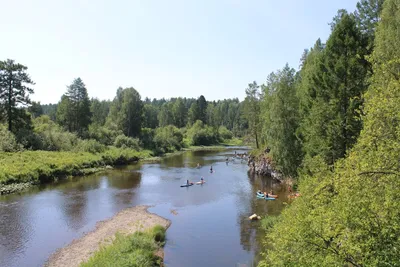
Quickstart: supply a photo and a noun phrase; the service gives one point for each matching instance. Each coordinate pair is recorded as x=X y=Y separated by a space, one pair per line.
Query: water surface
x=210 y=225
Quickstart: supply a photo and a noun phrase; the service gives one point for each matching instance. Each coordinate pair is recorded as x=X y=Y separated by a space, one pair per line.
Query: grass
x=135 y=250
x=42 y=166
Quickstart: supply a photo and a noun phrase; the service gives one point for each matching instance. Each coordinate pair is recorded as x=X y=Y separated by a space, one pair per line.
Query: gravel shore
x=127 y=221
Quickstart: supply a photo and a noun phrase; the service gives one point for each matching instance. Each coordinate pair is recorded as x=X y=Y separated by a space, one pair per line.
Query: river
x=210 y=225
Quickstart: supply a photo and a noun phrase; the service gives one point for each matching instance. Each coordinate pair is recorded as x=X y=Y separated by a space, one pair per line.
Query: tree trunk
x=256 y=139
x=9 y=108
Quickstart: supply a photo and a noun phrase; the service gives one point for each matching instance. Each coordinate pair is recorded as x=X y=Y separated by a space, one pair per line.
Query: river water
x=210 y=225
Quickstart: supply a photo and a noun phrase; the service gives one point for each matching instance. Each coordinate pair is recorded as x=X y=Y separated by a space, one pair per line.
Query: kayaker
x=187 y=182
x=202 y=180
x=211 y=169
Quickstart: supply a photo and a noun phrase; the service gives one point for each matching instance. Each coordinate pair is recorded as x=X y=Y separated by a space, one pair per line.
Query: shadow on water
x=210 y=219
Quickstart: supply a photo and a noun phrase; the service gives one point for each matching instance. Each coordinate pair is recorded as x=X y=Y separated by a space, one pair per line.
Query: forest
x=88 y=132
x=332 y=124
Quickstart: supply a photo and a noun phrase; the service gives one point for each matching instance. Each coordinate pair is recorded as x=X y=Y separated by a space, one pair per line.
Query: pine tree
x=252 y=110
x=14 y=90
x=333 y=123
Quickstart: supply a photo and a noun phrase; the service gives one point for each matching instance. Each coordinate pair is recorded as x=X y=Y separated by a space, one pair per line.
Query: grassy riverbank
x=19 y=170
x=43 y=166
x=137 y=249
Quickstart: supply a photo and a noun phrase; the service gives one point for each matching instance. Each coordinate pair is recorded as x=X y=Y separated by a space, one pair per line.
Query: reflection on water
x=211 y=219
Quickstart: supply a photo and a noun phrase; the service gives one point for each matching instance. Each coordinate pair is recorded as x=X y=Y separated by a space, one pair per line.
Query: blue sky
x=161 y=48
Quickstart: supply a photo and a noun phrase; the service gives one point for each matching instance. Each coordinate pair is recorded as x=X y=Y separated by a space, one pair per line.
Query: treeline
x=77 y=122
x=317 y=111
x=336 y=125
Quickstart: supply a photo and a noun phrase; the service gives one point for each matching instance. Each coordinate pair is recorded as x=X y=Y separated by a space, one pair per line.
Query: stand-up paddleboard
x=266 y=198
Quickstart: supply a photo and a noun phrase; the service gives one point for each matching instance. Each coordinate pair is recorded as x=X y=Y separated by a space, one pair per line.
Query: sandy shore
x=127 y=221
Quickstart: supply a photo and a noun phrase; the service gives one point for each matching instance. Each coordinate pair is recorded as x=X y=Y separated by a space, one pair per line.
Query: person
x=202 y=180
x=211 y=169
x=198 y=165
x=187 y=182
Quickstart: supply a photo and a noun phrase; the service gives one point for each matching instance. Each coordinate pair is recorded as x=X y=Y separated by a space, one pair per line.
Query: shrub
x=136 y=249
x=147 y=138
x=102 y=134
x=201 y=134
x=91 y=146
x=8 y=142
x=224 y=133
x=168 y=139
x=123 y=141
x=52 y=137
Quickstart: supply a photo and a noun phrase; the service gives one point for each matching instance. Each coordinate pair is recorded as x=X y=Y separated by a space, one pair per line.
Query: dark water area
x=210 y=225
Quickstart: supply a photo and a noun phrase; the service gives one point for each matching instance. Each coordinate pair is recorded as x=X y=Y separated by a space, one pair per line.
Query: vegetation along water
x=330 y=130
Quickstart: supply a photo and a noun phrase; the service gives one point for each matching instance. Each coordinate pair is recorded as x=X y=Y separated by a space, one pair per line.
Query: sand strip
x=127 y=221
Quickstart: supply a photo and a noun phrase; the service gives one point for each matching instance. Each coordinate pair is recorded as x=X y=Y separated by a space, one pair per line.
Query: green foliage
x=122 y=141
x=150 y=119
x=41 y=166
x=224 y=133
x=52 y=137
x=14 y=91
x=147 y=138
x=135 y=250
x=201 y=134
x=99 y=110
x=252 y=110
x=104 y=135
x=349 y=215
x=8 y=142
x=91 y=146
x=127 y=111
x=73 y=112
x=165 y=116
x=168 y=139
x=332 y=121
x=281 y=119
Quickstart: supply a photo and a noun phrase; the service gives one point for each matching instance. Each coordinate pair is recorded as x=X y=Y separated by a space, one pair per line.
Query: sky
x=161 y=48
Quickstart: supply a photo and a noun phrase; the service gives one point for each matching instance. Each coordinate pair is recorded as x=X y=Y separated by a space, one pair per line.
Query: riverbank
x=260 y=163
x=126 y=222
x=21 y=170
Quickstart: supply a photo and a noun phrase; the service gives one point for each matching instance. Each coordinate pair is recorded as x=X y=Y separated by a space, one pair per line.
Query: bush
x=147 y=138
x=133 y=250
x=91 y=146
x=201 y=134
x=224 y=133
x=8 y=142
x=168 y=139
x=102 y=134
x=123 y=141
x=52 y=137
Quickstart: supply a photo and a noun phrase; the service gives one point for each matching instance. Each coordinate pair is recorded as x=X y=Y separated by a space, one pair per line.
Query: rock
x=263 y=166
x=254 y=217
x=108 y=167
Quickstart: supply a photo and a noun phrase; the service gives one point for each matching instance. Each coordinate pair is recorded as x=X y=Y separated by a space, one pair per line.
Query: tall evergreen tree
x=180 y=113
x=202 y=103
x=126 y=111
x=14 y=90
x=75 y=112
x=333 y=123
x=166 y=116
x=193 y=113
x=252 y=110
